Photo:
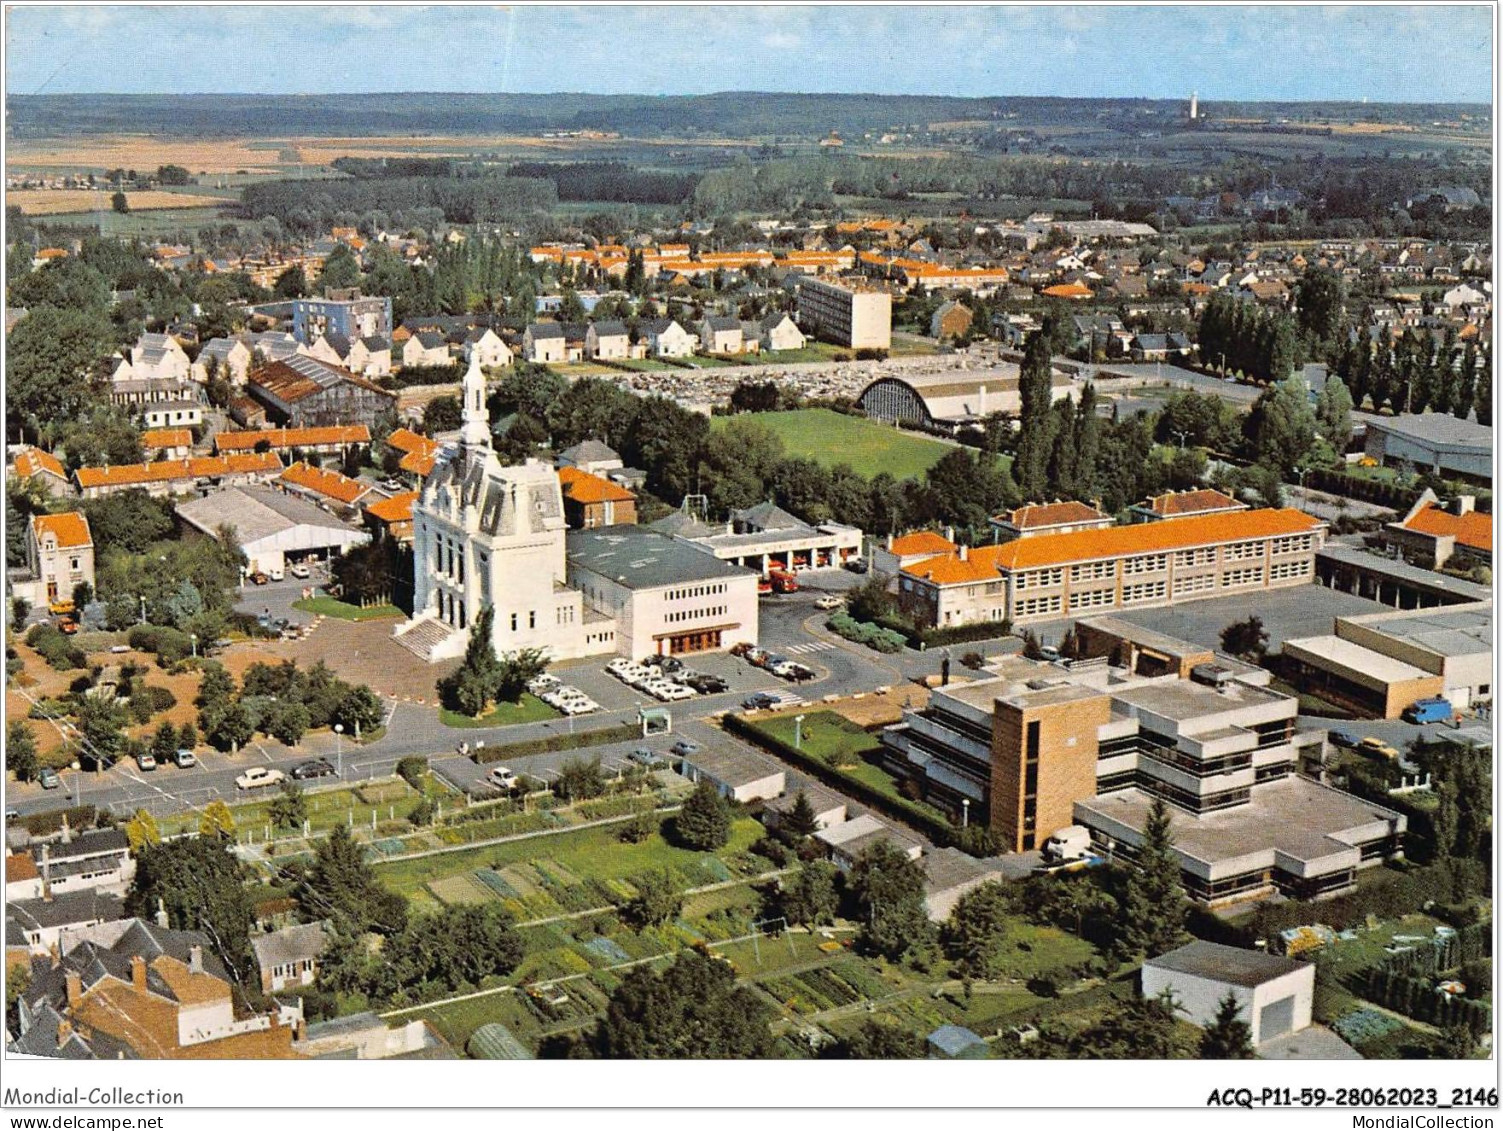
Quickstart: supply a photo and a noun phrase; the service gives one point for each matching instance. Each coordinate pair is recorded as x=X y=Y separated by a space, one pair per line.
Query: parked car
x=759 y=702
x=1372 y=744
x=259 y=777
x=708 y=684
x=829 y=601
x=741 y=648
x=183 y=759
x=856 y=565
x=684 y=748
x=1344 y=738
x=48 y=778
x=145 y=762
x=674 y=692
x=317 y=768
x=502 y=778
x=392 y=485
x=259 y=578
x=798 y=672
x=301 y=572
x=1437 y=710
x=644 y=756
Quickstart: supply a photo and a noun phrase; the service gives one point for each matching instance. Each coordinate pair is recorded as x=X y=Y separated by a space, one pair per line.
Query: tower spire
x=476 y=430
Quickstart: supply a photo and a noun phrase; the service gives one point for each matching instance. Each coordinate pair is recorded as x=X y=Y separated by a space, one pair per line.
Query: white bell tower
x=476 y=430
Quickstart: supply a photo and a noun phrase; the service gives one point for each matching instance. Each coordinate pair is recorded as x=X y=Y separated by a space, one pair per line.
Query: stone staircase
x=424 y=637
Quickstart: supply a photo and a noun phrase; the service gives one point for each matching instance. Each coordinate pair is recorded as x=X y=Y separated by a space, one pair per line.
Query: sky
x=1403 y=53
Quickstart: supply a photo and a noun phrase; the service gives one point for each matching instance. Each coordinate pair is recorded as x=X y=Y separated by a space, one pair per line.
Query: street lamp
x=798 y=732
x=339 y=749
x=965 y=812
x=193 y=640
x=1181 y=435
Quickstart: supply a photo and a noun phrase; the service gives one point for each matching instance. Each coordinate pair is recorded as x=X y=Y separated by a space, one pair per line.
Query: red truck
x=782 y=581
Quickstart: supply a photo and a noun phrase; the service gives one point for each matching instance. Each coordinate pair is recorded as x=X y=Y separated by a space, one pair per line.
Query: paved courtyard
x=1307 y=610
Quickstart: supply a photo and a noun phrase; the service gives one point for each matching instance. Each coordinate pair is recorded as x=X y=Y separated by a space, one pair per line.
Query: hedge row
x=625 y=732
x=965 y=633
x=866 y=632
x=1388 y=895
x=1358 y=487
x=941 y=832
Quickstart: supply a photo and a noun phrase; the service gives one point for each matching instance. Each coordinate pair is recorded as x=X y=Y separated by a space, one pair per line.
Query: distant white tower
x=1194 y=106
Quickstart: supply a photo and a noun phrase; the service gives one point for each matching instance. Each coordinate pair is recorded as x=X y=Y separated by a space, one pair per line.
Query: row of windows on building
x=694 y=614
x=1155 y=563
x=694 y=591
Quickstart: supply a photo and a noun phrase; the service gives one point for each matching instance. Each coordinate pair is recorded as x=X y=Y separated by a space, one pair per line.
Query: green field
x=530 y=709
x=831 y=438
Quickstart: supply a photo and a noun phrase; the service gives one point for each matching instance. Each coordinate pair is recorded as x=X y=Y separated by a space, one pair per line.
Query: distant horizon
x=564 y=93
x=1443 y=57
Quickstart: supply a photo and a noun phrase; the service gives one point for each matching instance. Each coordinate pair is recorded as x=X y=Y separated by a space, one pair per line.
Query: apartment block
x=344 y=312
x=1143 y=565
x=847 y=315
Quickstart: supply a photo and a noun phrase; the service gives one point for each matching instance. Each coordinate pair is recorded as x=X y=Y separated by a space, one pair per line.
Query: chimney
x=1464 y=504
x=67 y=832
x=75 y=987
x=949 y=534
x=196 y=959
x=889 y=539
x=138 y=972
x=965 y=553
x=64 y=1031
x=161 y=916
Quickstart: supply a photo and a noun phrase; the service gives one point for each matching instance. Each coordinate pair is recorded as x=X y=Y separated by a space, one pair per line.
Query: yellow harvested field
x=55 y=202
x=265 y=155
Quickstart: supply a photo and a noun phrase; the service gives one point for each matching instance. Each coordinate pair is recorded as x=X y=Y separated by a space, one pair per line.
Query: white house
x=425 y=348
x=1275 y=993
x=720 y=335
x=485 y=344
x=781 y=332
x=544 y=342
x=230 y=358
x=667 y=338
x=610 y=341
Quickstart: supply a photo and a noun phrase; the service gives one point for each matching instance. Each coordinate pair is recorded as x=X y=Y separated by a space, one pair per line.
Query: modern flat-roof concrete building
x=737 y=772
x=1380 y=663
x=271 y=526
x=846 y=314
x=1037 y=747
x=1434 y=442
x=1276 y=995
x=765 y=537
x=664 y=596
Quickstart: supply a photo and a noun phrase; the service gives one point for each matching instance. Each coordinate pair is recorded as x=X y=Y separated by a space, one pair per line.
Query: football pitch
x=831 y=438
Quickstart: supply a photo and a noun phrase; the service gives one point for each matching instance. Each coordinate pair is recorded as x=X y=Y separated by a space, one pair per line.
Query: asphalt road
x=790 y=624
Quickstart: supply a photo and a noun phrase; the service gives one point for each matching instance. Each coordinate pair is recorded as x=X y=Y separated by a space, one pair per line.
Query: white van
x=1070 y=843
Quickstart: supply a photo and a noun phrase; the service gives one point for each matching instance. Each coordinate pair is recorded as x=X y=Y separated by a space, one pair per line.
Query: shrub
x=411 y=770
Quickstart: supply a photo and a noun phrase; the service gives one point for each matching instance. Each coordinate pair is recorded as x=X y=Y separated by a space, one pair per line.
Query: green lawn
x=326 y=808
x=530 y=709
x=826 y=733
x=331 y=607
x=832 y=438
x=596 y=853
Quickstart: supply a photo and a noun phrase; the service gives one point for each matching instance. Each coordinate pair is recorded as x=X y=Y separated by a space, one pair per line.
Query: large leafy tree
x=1154 y=907
x=692 y=1010
x=201 y=884
x=49 y=355
x=977 y=928
x=877 y=1041
x=888 y=889
x=811 y=897
x=340 y=883
x=21 y=750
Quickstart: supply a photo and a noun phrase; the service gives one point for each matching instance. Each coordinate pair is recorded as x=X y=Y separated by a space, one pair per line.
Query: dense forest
x=611 y=182
x=310 y=207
